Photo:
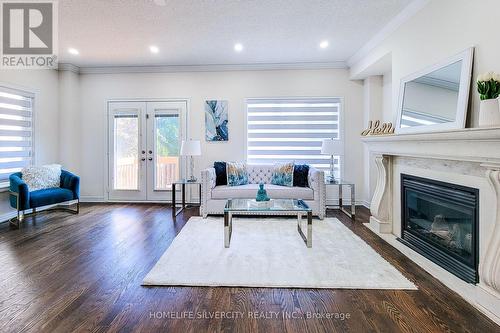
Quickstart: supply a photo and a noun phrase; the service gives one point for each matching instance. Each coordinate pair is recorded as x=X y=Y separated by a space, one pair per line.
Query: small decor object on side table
x=262 y=198
x=488 y=86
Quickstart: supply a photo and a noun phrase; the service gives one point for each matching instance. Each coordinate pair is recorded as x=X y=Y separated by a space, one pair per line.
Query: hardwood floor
x=65 y=273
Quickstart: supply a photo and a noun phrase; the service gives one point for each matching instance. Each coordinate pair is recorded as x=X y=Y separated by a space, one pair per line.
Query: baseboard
x=90 y=198
x=4 y=218
x=335 y=202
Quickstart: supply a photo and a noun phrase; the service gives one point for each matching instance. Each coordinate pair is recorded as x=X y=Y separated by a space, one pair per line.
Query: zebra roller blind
x=16 y=132
x=282 y=130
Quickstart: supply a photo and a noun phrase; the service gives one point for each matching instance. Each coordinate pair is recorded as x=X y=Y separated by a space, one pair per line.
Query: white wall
x=373 y=111
x=441 y=29
x=69 y=120
x=44 y=83
x=234 y=86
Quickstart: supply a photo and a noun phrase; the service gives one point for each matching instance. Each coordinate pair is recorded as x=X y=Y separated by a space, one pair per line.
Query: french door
x=144 y=144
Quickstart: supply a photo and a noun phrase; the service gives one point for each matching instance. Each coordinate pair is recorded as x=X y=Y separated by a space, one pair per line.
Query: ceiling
x=203 y=32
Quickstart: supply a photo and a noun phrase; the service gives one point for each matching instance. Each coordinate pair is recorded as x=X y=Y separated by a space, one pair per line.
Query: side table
x=182 y=183
x=341 y=184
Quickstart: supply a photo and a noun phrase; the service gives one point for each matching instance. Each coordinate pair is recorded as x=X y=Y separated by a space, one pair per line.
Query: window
x=282 y=130
x=16 y=132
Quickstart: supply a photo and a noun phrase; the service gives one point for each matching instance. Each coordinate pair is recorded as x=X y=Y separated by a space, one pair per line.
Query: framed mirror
x=436 y=99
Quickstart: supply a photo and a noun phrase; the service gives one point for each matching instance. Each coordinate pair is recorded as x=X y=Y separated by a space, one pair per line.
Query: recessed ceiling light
x=324 y=44
x=154 y=49
x=238 y=47
x=73 y=51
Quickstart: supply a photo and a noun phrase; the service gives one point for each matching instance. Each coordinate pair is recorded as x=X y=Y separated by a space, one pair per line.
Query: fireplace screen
x=439 y=220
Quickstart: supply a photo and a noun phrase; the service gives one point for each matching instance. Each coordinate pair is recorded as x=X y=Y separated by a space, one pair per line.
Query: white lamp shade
x=331 y=147
x=190 y=148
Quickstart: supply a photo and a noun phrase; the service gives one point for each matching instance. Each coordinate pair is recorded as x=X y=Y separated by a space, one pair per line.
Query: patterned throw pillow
x=282 y=174
x=236 y=173
x=42 y=177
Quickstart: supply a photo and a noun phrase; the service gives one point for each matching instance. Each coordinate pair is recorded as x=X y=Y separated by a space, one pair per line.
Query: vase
x=489 y=113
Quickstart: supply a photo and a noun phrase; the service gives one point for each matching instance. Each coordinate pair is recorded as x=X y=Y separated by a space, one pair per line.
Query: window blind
x=282 y=130
x=16 y=132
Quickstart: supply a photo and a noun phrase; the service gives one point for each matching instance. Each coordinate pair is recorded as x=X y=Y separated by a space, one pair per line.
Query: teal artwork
x=216 y=120
x=262 y=194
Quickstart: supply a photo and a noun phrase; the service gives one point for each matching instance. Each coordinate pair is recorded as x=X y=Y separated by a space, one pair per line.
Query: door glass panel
x=126 y=152
x=167 y=150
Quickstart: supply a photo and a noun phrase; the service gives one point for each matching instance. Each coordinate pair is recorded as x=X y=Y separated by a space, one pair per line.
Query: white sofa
x=213 y=198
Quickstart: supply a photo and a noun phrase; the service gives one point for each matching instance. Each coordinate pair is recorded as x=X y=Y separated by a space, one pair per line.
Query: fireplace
x=440 y=221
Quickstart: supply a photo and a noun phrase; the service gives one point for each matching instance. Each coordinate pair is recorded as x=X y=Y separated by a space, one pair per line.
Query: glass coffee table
x=252 y=207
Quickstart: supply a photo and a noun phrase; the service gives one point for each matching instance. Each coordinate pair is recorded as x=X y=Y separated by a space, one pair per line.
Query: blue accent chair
x=21 y=198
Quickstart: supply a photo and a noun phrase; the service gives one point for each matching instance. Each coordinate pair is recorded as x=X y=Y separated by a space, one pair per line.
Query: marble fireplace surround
x=469 y=157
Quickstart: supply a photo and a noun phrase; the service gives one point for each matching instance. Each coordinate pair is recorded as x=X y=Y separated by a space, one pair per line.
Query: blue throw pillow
x=300 y=175
x=220 y=173
x=236 y=173
x=282 y=174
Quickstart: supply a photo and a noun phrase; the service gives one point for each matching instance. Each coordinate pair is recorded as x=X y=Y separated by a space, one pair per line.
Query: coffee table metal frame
x=229 y=212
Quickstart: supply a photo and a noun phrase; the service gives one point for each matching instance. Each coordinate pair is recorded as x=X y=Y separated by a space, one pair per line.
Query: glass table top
x=274 y=205
x=338 y=182
x=186 y=181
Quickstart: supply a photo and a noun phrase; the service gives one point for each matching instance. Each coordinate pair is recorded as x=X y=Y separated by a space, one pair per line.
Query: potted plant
x=488 y=86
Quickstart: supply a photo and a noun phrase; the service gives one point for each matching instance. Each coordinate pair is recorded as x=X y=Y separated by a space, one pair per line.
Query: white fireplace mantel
x=477 y=145
x=471 y=145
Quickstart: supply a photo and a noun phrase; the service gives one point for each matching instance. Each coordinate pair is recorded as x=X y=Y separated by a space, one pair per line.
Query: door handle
x=150 y=159
x=143 y=159
x=150 y=151
x=144 y=152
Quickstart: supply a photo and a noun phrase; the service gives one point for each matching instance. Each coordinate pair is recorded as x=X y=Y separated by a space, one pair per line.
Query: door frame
x=106 y=142
x=137 y=110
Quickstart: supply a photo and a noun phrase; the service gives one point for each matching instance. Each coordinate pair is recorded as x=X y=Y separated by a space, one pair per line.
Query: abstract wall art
x=216 y=120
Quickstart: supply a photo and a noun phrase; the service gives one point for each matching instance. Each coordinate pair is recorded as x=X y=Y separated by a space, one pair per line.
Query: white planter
x=489 y=113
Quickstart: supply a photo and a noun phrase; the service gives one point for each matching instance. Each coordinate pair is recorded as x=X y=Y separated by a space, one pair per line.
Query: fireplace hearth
x=440 y=221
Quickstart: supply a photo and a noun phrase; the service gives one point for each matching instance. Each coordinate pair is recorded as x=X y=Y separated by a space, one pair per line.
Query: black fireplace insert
x=440 y=221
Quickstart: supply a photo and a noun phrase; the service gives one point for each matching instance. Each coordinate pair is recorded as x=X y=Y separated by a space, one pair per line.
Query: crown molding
x=68 y=67
x=405 y=15
x=211 y=68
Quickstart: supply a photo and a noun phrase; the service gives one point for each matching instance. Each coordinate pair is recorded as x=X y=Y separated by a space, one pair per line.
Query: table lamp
x=191 y=148
x=331 y=147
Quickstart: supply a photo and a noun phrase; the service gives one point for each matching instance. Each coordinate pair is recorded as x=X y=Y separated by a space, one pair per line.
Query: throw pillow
x=236 y=173
x=42 y=177
x=282 y=174
x=301 y=175
x=220 y=173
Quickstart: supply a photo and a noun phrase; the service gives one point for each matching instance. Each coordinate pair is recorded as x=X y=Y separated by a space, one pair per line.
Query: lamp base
x=331 y=180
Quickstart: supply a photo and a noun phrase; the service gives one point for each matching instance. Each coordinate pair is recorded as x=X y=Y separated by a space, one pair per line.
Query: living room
x=161 y=120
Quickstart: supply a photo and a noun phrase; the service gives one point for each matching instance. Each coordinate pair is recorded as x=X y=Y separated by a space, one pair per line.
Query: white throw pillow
x=42 y=177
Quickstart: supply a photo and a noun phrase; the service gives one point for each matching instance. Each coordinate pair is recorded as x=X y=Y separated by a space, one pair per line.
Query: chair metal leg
x=16 y=221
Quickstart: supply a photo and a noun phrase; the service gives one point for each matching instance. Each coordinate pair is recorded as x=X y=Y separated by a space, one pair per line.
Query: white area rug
x=268 y=252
